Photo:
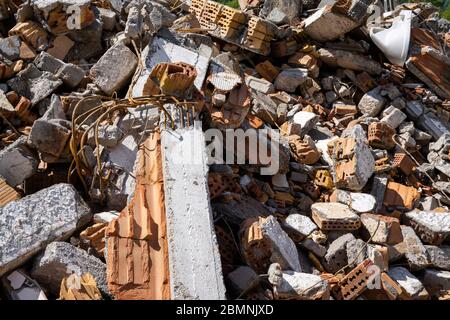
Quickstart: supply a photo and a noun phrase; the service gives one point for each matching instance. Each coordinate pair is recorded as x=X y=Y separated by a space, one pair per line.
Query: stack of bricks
x=229 y=24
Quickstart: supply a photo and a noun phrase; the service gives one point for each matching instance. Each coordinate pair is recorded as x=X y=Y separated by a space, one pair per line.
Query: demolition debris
x=184 y=149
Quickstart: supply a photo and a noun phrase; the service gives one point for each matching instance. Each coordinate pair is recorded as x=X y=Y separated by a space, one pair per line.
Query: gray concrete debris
x=289 y=8
x=34 y=83
x=114 y=68
x=24 y=159
x=306 y=121
x=356 y=252
x=61 y=259
x=302 y=286
x=336 y=256
x=439 y=257
x=289 y=79
x=349 y=60
x=316 y=248
x=412 y=286
x=284 y=248
x=433 y=227
x=31 y=223
x=359 y=202
x=301 y=226
x=372 y=103
x=50 y=136
x=195 y=267
x=436 y=281
x=243 y=278
x=413 y=249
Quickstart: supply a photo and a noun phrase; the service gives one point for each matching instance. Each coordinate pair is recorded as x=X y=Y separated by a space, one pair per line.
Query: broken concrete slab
x=413 y=249
x=302 y=286
x=336 y=256
x=439 y=257
x=61 y=259
x=349 y=60
x=34 y=221
x=381 y=229
x=289 y=79
x=298 y=226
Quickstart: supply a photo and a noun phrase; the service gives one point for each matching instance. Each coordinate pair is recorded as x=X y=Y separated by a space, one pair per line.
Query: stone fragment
x=306 y=120
x=360 y=202
x=436 y=282
x=61 y=259
x=243 y=278
x=413 y=249
x=291 y=9
x=10 y=47
x=258 y=84
x=382 y=229
x=334 y=216
x=356 y=252
x=31 y=223
x=316 y=248
x=393 y=117
x=114 y=68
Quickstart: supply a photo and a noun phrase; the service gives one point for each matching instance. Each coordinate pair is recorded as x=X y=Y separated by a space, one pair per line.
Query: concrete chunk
x=114 y=68
x=439 y=257
x=413 y=249
x=349 y=60
x=289 y=79
x=336 y=256
x=299 y=225
x=372 y=103
x=29 y=224
x=17 y=162
x=334 y=216
x=303 y=286
x=34 y=84
x=281 y=243
x=412 y=287
x=433 y=227
x=387 y=228
x=195 y=267
x=61 y=259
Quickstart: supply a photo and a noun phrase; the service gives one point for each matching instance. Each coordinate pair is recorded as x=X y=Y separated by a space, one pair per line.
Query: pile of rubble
x=103 y=197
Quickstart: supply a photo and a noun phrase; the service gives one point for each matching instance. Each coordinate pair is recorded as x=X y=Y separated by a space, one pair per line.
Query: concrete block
x=414 y=109
x=50 y=136
x=439 y=257
x=17 y=162
x=349 y=60
x=306 y=121
x=411 y=286
x=433 y=227
x=298 y=226
x=289 y=79
x=413 y=250
x=372 y=103
x=430 y=123
x=316 y=248
x=108 y=18
x=282 y=245
x=31 y=223
x=195 y=267
x=393 y=117
x=436 y=280
x=258 y=84
x=336 y=256
x=61 y=259
x=359 y=202
x=114 y=69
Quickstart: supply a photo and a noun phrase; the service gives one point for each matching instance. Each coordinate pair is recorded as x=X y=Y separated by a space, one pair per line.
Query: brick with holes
x=335 y=216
